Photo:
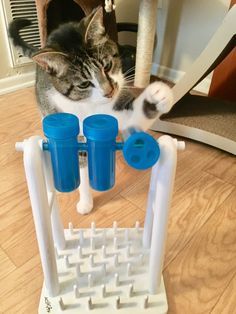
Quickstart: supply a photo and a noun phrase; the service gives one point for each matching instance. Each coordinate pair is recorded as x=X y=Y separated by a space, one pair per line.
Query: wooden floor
x=200 y=260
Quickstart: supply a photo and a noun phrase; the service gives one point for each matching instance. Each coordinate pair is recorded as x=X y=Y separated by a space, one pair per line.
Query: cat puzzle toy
x=102 y=270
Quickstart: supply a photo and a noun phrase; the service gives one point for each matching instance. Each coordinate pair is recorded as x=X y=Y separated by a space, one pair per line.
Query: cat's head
x=82 y=61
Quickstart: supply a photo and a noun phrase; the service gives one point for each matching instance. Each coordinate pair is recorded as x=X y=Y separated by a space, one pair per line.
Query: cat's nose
x=110 y=93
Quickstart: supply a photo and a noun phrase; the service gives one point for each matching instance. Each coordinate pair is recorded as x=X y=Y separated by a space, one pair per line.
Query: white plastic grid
x=103 y=270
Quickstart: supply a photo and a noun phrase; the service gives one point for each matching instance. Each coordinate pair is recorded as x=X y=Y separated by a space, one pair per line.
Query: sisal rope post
x=145 y=41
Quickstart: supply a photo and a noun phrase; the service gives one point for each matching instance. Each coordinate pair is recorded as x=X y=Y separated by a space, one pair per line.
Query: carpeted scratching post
x=145 y=41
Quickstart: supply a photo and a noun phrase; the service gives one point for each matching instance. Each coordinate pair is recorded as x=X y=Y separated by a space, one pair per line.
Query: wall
x=184 y=28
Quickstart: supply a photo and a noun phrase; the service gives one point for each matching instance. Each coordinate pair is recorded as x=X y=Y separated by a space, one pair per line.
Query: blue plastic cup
x=101 y=131
x=61 y=130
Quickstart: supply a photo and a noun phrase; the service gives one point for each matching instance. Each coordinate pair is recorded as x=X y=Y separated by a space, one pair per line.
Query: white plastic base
x=103 y=270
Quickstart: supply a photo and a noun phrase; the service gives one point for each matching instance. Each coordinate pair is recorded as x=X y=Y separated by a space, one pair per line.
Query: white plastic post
x=147 y=230
x=57 y=226
x=164 y=174
x=33 y=163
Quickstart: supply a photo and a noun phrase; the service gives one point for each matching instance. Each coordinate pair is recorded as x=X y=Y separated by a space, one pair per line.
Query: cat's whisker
x=128 y=87
x=129 y=78
x=130 y=75
x=129 y=70
x=129 y=81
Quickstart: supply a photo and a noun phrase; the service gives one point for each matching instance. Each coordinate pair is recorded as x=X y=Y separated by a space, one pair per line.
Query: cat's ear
x=95 y=29
x=51 y=61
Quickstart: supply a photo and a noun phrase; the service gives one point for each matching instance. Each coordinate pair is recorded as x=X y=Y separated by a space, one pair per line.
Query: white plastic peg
x=115 y=243
x=19 y=146
x=103 y=291
x=137 y=226
x=80 y=251
x=116 y=280
x=81 y=237
x=78 y=270
x=104 y=236
x=116 y=263
x=90 y=280
x=126 y=234
x=141 y=257
x=131 y=290
x=128 y=250
x=115 y=227
x=128 y=269
x=56 y=253
x=145 y=302
x=91 y=260
x=93 y=228
x=179 y=144
x=90 y=304
x=104 y=269
x=71 y=228
x=76 y=291
x=117 y=304
x=104 y=254
x=66 y=259
x=92 y=243
x=61 y=304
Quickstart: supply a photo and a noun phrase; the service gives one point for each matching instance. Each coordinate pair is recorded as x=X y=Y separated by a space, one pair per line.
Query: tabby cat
x=79 y=71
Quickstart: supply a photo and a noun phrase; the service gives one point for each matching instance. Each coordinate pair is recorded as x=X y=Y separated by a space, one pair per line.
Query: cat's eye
x=84 y=85
x=107 y=66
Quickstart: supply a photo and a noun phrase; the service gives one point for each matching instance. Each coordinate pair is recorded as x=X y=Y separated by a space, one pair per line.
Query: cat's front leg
x=156 y=99
x=85 y=204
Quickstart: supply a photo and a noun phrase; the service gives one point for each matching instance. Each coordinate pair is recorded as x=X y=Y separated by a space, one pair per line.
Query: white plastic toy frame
x=104 y=270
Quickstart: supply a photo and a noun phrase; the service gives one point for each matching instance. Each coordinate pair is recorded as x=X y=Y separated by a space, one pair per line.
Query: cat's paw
x=84 y=207
x=158 y=99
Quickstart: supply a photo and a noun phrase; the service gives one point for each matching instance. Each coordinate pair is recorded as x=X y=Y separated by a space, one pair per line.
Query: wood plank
x=199 y=275
x=227 y=301
x=191 y=207
x=196 y=156
x=7 y=265
x=223 y=167
x=20 y=241
x=21 y=285
x=118 y=209
x=14 y=204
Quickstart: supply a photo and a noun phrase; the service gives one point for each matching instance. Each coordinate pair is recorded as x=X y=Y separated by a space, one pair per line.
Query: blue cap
x=61 y=126
x=141 y=151
x=100 y=127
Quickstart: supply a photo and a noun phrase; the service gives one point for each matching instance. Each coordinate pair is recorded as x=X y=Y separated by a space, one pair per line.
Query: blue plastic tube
x=101 y=131
x=61 y=130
